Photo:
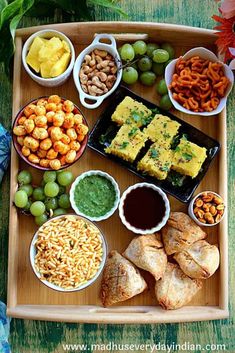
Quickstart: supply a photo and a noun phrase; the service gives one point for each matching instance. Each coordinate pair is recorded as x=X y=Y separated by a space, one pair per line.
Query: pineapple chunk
x=66 y=46
x=60 y=66
x=32 y=56
x=45 y=68
x=50 y=48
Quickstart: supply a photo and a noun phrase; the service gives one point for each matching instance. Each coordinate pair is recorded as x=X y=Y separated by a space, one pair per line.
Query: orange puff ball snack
x=50 y=132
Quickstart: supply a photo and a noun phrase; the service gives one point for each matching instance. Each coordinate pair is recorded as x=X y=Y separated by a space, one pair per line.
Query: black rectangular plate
x=105 y=126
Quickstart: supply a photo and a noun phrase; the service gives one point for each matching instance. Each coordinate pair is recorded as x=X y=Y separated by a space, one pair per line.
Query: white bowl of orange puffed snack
x=198 y=83
x=50 y=133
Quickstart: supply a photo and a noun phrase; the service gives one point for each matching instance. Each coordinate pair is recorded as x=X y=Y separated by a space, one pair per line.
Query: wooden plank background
x=46 y=337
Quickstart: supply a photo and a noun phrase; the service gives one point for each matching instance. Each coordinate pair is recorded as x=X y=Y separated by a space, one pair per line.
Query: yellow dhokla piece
x=162 y=130
x=129 y=111
x=156 y=162
x=127 y=143
x=188 y=158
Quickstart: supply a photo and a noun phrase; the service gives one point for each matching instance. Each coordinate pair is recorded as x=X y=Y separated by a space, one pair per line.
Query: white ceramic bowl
x=111 y=49
x=205 y=54
x=86 y=174
x=55 y=81
x=192 y=215
x=159 y=225
x=32 y=254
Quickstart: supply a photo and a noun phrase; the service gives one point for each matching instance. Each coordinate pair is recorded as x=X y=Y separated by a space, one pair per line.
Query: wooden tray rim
x=123 y=314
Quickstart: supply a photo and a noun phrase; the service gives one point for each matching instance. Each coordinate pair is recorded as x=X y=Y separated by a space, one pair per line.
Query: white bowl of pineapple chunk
x=48 y=57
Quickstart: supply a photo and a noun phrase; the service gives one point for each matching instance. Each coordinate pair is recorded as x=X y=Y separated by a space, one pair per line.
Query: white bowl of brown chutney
x=144 y=208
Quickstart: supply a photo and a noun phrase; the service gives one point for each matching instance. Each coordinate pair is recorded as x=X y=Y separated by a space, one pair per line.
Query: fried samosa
x=180 y=232
x=175 y=289
x=200 y=260
x=147 y=252
x=121 y=280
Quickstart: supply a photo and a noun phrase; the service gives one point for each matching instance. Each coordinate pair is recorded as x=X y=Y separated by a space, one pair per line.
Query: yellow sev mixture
x=68 y=251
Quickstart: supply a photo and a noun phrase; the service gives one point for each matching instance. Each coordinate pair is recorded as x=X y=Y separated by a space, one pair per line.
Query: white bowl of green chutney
x=95 y=195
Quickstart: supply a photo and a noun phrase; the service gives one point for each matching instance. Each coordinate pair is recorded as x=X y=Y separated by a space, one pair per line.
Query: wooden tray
x=27 y=297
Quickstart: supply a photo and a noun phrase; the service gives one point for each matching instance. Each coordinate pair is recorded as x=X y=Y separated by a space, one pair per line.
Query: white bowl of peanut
x=97 y=71
x=68 y=253
x=207 y=209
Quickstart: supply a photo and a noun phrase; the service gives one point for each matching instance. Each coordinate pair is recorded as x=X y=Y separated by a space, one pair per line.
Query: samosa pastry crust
x=200 y=260
x=180 y=232
x=121 y=280
x=147 y=252
x=175 y=289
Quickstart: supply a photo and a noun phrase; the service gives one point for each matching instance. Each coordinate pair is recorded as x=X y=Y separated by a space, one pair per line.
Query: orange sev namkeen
x=198 y=84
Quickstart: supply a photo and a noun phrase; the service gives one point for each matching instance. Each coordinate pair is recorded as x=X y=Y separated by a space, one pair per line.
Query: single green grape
x=169 y=49
x=62 y=190
x=158 y=69
x=140 y=47
x=145 y=64
x=38 y=194
x=27 y=188
x=51 y=189
x=40 y=220
x=49 y=176
x=64 y=201
x=27 y=207
x=43 y=183
x=24 y=177
x=147 y=78
x=37 y=208
x=160 y=56
x=20 y=198
x=59 y=212
x=161 y=87
x=129 y=75
x=51 y=203
x=64 y=178
x=150 y=49
x=165 y=102
x=127 y=52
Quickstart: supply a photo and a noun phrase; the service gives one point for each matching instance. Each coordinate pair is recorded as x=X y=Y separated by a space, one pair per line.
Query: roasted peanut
x=209 y=218
x=200 y=213
x=220 y=207
x=209 y=207
x=217 y=200
x=213 y=210
x=202 y=220
x=218 y=218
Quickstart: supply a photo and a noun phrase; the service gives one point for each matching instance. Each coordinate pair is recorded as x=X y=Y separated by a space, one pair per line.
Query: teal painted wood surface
x=46 y=337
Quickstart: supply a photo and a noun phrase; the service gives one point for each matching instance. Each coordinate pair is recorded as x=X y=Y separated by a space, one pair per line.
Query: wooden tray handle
x=128 y=37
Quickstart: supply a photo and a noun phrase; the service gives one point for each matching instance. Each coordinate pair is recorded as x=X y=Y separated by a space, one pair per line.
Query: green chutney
x=94 y=195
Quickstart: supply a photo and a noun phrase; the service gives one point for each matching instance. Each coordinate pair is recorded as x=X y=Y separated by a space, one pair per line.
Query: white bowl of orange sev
x=68 y=253
x=198 y=83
